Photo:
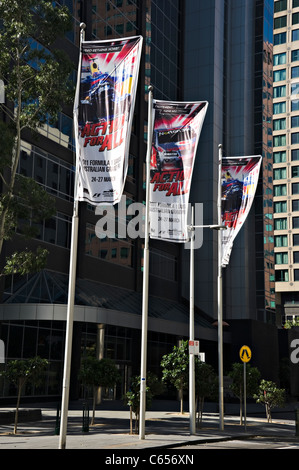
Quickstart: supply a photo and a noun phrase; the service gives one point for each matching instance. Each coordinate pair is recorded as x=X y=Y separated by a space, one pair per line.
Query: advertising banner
x=103 y=112
x=176 y=130
x=239 y=179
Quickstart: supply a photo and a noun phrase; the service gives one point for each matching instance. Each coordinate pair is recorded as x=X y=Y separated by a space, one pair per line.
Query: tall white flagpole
x=191 y=332
x=71 y=299
x=145 y=273
x=219 y=300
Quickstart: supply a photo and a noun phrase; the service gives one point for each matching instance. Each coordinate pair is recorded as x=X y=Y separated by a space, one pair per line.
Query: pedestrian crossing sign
x=245 y=354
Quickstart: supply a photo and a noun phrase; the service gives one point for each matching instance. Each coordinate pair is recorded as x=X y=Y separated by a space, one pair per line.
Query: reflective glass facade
x=264 y=223
x=220 y=51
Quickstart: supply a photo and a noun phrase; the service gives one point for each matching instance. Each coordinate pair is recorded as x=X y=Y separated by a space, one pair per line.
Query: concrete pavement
x=165 y=428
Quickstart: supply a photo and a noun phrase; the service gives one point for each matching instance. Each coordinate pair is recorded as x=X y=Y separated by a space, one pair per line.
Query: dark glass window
x=295 y=55
x=280 y=38
x=295 y=205
x=280 y=22
x=295 y=18
x=295 y=35
x=280 y=5
x=281 y=275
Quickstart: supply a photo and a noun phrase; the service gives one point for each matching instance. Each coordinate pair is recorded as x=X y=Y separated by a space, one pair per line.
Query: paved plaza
x=165 y=428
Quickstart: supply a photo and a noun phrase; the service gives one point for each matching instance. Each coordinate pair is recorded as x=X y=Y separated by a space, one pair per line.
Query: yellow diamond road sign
x=245 y=354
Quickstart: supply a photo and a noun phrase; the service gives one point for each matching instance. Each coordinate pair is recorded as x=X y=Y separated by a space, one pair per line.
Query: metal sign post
x=2 y=352
x=191 y=337
x=219 y=296
x=194 y=345
x=245 y=356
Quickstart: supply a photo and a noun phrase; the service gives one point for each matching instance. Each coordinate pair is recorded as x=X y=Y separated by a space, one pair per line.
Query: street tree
x=269 y=395
x=97 y=373
x=175 y=369
x=21 y=371
x=237 y=386
x=37 y=84
x=206 y=386
x=132 y=397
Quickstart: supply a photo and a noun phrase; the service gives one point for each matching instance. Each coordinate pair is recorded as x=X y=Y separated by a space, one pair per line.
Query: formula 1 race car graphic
x=232 y=193
x=169 y=148
x=103 y=96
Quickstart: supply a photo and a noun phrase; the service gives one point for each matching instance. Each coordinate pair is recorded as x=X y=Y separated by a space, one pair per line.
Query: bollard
x=297 y=421
x=85 y=424
x=57 y=425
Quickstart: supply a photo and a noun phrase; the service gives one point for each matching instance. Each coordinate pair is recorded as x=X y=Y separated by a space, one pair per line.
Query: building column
x=100 y=353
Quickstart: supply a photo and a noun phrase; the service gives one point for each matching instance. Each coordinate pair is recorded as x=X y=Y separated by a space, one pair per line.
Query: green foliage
x=21 y=371
x=98 y=372
x=206 y=385
x=175 y=366
x=237 y=386
x=7 y=138
x=237 y=375
x=269 y=395
x=36 y=79
x=206 y=380
x=26 y=208
x=132 y=397
x=291 y=323
x=26 y=262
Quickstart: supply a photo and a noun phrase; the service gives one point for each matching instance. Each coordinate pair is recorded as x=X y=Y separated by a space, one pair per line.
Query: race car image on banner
x=176 y=131
x=103 y=113
x=239 y=178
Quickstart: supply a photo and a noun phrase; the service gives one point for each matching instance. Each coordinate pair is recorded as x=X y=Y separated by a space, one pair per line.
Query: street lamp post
x=70 y=304
x=192 y=228
x=143 y=373
x=219 y=295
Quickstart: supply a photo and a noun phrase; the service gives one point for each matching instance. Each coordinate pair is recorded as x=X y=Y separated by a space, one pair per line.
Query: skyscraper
x=219 y=51
x=286 y=157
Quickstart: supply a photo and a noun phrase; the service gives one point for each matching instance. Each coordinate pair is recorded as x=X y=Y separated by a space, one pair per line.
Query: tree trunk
x=241 y=405
x=20 y=386
x=268 y=413
x=94 y=405
x=14 y=165
x=201 y=410
x=131 y=420
x=136 y=422
x=241 y=412
x=181 y=401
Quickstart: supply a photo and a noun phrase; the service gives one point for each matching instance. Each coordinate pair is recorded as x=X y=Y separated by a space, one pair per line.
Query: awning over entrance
x=99 y=302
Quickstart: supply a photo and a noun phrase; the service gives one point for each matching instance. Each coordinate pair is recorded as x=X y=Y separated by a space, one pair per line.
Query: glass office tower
x=216 y=50
x=232 y=69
